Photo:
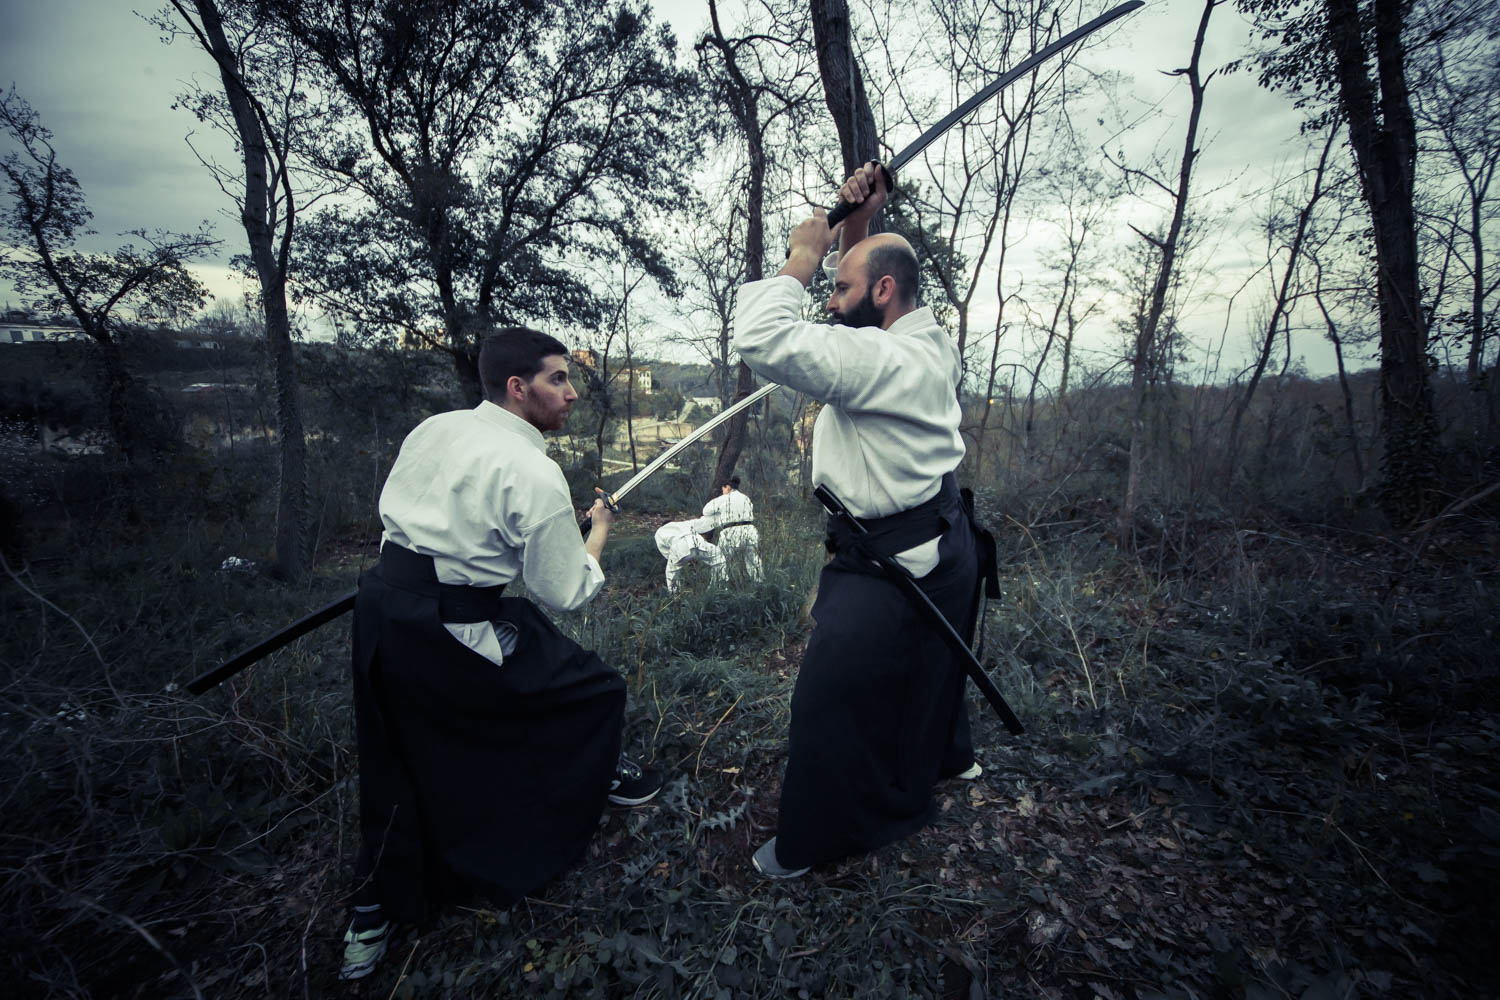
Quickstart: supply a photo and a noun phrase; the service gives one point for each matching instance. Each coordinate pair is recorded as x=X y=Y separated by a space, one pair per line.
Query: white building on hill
x=17 y=327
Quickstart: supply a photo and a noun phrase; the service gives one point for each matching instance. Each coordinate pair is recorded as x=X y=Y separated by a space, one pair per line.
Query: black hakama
x=878 y=714
x=476 y=780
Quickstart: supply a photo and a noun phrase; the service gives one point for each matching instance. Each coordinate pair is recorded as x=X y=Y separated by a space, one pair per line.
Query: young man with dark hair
x=489 y=742
x=878 y=713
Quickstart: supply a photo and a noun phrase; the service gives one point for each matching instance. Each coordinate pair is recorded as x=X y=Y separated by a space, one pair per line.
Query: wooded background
x=1250 y=609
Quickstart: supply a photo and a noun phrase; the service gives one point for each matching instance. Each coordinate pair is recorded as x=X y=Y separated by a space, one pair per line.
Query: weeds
x=1256 y=766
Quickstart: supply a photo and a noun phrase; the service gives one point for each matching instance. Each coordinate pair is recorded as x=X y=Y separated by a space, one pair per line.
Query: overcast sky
x=104 y=84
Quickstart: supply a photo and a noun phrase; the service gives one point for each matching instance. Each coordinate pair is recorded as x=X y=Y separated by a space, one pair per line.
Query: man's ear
x=515 y=388
x=885 y=290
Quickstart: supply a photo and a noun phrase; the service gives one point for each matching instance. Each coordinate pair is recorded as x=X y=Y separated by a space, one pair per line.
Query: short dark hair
x=513 y=350
x=901 y=264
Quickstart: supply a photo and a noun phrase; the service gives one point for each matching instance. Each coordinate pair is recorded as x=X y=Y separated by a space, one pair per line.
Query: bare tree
x=46 y=217
x=1148 y=334
x=1283 y=298
x=1082 y=197
x=735 y=69
x=268 y=212
x=1350 y=58
x=1456 y=96
x=967 y=199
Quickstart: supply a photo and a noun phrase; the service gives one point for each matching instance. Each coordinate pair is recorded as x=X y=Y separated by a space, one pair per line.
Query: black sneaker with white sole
x=633 y=784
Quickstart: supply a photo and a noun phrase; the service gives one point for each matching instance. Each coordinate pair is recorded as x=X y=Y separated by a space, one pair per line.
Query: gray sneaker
x=765 y=862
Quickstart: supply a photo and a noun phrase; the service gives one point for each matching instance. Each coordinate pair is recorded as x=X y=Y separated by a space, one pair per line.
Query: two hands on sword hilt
x=861 y=197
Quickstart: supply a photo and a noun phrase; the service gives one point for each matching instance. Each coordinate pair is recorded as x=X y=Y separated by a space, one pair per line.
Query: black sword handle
x=840 y=212
x=930 y=611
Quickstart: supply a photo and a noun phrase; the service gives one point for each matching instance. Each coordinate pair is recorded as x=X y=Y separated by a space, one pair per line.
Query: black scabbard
x=919 y=599
x=271 y=644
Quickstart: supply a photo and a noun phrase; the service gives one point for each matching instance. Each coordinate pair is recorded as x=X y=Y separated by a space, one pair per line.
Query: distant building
x=640 y=379
x=18 y=327
x=413 y=340
x=708 y=404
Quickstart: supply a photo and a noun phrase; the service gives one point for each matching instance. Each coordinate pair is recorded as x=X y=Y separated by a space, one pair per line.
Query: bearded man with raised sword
x=878 y=713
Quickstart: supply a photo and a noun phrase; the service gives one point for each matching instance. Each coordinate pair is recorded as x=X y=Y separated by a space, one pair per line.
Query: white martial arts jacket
x=475 y=490
x=889 y=431
x=728 y=508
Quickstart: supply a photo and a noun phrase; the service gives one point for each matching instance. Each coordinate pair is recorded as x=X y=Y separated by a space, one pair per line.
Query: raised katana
x=345 y=604
x=838 y=213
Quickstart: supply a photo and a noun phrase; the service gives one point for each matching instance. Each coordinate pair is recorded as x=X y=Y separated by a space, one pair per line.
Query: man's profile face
x=853 y=300
x=863 y=312
x=549 y=395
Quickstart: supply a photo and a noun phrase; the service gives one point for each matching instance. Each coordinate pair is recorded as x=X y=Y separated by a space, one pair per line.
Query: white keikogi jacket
x=475 y=490
x=889 y=431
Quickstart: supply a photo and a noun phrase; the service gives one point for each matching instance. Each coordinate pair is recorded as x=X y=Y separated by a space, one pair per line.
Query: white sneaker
x=969 y=773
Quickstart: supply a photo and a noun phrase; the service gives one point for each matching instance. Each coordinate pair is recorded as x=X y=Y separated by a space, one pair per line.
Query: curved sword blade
x=1028 y=64
x=840 y=211
x=696 y=434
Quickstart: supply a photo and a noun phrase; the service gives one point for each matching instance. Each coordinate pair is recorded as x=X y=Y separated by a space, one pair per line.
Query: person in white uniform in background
x=682 y=542
x=732 y=516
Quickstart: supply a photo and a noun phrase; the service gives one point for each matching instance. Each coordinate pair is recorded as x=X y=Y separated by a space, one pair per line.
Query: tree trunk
x=1145 y=342
x=843 y=87
x=745 y=108
x=1353 y=429
x=258 y=216
x=1385 y=149
x=630 y=370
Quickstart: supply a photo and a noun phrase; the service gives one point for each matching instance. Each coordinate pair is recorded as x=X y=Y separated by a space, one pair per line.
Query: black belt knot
x=904 y=529
x=456 y=602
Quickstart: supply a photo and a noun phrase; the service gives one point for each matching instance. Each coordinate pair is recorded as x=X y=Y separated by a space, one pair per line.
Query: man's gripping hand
x=808 y=245
x=866 y=190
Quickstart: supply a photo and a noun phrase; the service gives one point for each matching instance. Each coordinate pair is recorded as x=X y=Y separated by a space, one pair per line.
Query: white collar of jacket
x=503 y=418
x=920 y=317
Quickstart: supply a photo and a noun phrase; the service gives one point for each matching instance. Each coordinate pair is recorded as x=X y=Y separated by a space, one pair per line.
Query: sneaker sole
x=622 y=800
x=780 y=873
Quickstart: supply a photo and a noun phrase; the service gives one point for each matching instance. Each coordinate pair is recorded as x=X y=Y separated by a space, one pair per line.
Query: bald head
x=886 y=254
x=876 y=283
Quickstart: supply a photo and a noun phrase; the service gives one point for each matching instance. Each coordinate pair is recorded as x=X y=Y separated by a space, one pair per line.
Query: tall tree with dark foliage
x=493 y=144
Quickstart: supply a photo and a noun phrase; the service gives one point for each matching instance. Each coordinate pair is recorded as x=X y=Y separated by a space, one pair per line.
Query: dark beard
x=864 y=312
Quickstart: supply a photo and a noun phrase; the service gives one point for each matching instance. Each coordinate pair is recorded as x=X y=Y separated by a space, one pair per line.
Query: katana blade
x=697 y=433
x=1031 y=62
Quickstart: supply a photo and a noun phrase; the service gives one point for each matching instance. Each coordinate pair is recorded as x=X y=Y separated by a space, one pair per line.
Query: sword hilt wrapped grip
x=841 y=211
x=587 y=524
